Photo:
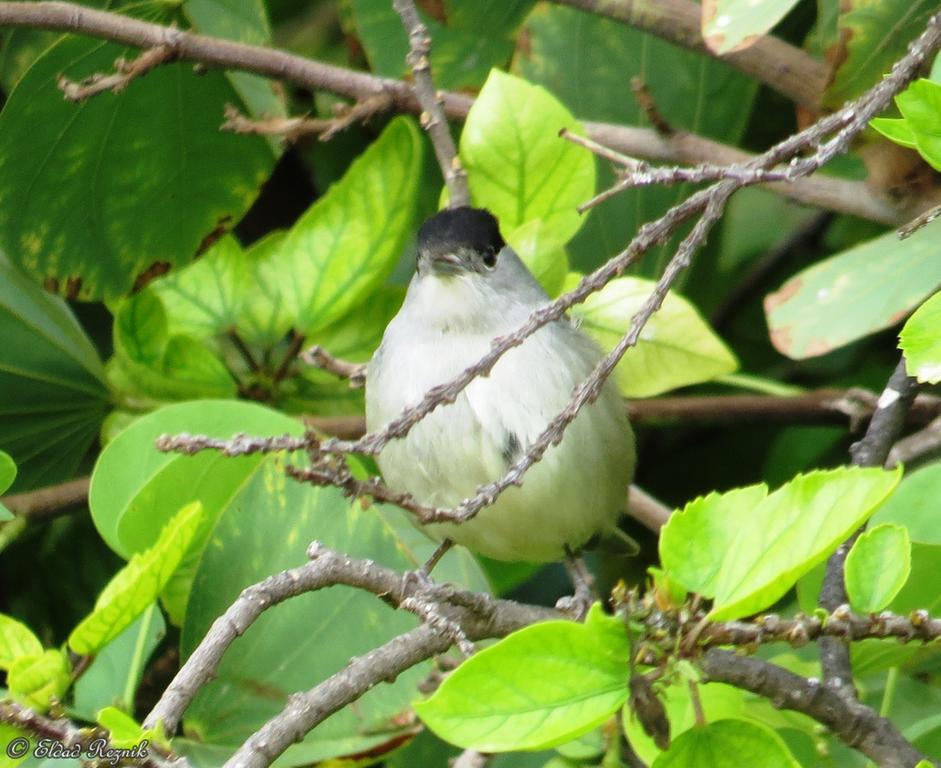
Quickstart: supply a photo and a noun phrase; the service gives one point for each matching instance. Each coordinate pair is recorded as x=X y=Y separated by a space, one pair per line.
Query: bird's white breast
x=576 y=490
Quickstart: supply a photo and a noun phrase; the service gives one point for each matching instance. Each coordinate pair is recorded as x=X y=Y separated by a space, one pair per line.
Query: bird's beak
x=446 y=264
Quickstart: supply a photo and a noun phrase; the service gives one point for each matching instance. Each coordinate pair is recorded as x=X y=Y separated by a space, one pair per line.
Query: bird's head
x=459 y=241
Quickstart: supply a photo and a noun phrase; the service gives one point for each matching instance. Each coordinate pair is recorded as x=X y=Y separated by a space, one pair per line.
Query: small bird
x=470 y=287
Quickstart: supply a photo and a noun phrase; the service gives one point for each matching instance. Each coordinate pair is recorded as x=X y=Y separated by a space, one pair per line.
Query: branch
x=835 y=194
x=46 y=503
x=872 y=451
x=785 y=68
x=913 y=450
x=856 y=725
x=432 y=115
x=478 y=615
x=821 y=406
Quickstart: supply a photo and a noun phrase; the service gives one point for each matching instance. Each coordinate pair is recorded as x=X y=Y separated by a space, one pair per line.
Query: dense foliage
x=159 y=275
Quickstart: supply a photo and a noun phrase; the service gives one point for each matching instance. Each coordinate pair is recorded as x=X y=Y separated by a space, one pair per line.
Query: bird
x=469 y=287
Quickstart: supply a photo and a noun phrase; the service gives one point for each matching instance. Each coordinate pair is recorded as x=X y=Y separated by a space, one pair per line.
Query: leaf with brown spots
x=853 y=294
x=873 y=35
x=732 y=25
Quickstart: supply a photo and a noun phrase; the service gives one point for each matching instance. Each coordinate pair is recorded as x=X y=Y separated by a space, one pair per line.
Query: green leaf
x=895 y=129
x=544 y=258
x=915 y=505
x=517 y=164
x=583 y=59
x=347 y=243
x=35 y=681
x=266 y=317
x=920 y=340
x=873 y=36
x=732 y=25
x=206 y=297
x=727 y=744
x=7 y=476
x=16 y=641
x=124 y=731
x=746 y=549
x=259 y=522
x=7 y=471
x=87 y=210
x=853 y=294
x=138 y=584
x=52 y=393
x=920 y=105
x=539 y=687
x=114 y=675
x=877 y=567
x=162 y=366
x=676 y=348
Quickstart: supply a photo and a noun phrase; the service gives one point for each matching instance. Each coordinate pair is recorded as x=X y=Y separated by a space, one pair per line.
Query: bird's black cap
x=456 y=228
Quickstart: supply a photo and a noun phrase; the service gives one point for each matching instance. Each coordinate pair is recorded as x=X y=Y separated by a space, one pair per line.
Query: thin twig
x=432 y=114
x=918 y=448
x=293 y=128
x=919 y=221
x=648 y=106
x=125 y=71
x=318 y=357
x=872 y=451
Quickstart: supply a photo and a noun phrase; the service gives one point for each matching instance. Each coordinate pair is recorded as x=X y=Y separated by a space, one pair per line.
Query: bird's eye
x=490 y=259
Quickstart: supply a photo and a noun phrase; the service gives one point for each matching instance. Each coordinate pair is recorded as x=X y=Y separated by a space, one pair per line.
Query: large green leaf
x=920 y=340
x=731 y=25
x=873 y=36
x=347 y=243
x=746 y=549
x=587 y=62
x=537 y=688
x=518 y=166
x=877 y=567
x=52 y=394
x=676 y=348
x=854 y=293
x=88 y=208
x=727 y=744
x=138 y=584
x=258 y=522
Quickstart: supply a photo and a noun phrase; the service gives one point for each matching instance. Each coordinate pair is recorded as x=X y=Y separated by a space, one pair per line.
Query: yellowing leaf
x=16 y=641
x=676 y=348
x=138 y=584
x=36 y=680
